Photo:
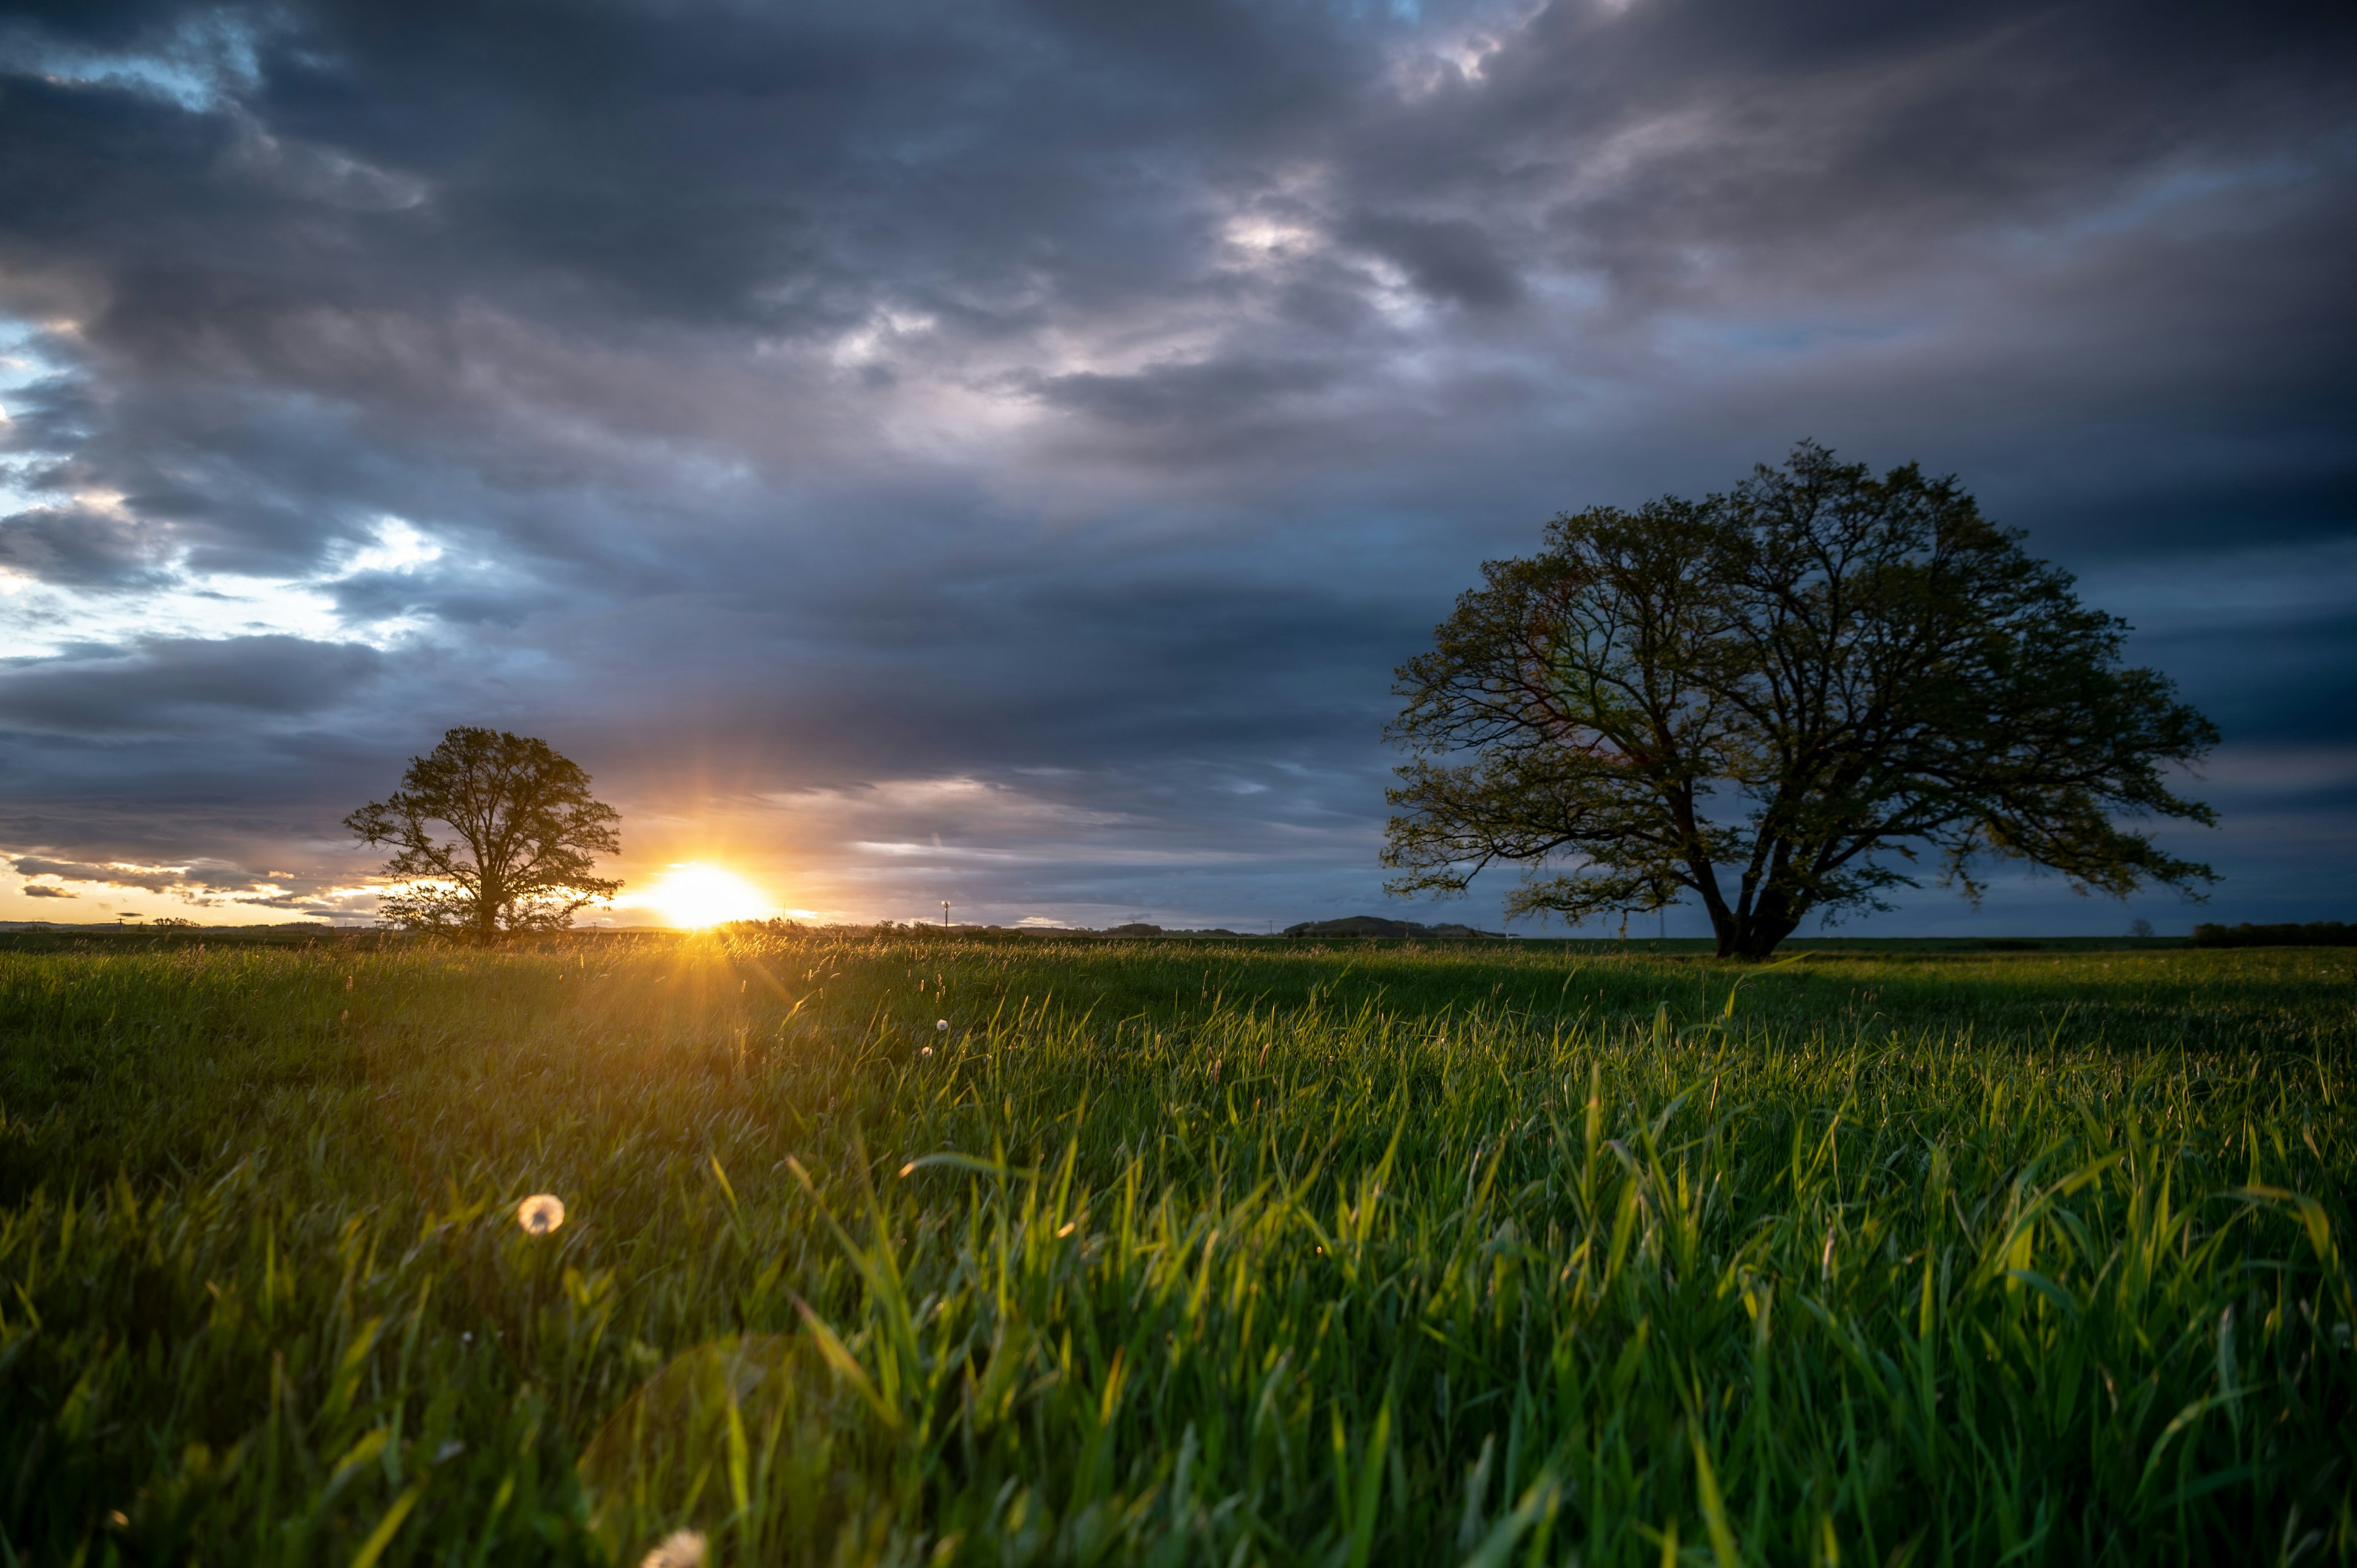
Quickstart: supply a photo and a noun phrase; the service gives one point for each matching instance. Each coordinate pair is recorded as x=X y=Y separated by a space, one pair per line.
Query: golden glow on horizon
x=694 y=894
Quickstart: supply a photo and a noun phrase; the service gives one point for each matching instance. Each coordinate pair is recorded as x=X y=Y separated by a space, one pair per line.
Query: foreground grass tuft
x=1174 y=1253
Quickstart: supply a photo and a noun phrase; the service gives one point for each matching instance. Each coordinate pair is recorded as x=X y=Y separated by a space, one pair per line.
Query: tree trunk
x=487 y=914
x=1760 y=940
x=1753 y=935
x=1771 y=921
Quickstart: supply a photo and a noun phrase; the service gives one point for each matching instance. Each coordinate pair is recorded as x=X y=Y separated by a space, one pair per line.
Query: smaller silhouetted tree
x=524 y=835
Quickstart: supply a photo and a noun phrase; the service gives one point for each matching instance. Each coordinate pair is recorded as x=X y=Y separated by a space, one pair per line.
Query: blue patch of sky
x=2215 y=593
x=207 y=62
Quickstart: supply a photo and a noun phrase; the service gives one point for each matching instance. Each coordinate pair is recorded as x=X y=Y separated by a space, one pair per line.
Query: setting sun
x=693 y=894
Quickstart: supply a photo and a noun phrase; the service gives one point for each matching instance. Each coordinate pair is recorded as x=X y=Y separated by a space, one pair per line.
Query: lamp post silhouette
x=945 y=914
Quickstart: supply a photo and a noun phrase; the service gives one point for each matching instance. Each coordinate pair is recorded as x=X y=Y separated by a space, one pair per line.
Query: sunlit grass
x=1171 y=1252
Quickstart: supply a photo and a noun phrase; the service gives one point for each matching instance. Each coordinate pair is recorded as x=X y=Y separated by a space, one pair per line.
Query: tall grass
x=1174 y=1253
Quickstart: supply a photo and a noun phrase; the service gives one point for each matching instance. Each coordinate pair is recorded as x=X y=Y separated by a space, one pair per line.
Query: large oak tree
x=1778 y=700
x=523 y=833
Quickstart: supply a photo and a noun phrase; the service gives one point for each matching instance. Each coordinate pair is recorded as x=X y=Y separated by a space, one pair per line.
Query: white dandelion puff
x=941 y=1025
x=540 y=1213
x=679 y=1549
x=926 y=1052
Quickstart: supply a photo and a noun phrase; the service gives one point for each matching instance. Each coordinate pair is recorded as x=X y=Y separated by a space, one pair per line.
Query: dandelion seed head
x=540 y=1213
x=679 y=1549
x=941 y=1025
x=926 y=1052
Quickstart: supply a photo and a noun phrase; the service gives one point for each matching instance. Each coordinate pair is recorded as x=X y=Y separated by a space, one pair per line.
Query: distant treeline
x=2315 y=934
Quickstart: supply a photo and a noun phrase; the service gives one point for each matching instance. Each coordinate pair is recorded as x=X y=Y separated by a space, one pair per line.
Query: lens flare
x=694 y=895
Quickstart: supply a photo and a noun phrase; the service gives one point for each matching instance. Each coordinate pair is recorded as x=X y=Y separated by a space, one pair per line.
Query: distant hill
x=1376 y=926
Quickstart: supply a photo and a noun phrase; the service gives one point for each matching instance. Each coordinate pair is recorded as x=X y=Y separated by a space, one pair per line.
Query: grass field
x=1174 y=1252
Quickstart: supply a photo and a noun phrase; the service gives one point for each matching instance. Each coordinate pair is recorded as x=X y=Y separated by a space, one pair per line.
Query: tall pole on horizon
x=945 y=914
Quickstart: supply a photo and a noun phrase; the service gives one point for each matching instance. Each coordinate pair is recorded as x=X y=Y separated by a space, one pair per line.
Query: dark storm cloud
x=183 y=683
x=76 y=547
x=1090 y=402
x=1230 y=393
x=1448 y=258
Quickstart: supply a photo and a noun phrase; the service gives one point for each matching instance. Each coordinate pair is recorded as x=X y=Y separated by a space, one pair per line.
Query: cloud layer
x=998 y=452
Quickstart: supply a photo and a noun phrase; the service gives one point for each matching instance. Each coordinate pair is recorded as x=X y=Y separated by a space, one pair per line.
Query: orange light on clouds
x=694 y=894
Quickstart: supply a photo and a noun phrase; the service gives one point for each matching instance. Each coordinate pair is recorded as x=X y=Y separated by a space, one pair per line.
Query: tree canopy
x=526 y=832
x=1806 y=685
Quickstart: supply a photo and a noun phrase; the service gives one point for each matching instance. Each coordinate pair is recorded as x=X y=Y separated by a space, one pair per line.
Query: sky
x=999 y=452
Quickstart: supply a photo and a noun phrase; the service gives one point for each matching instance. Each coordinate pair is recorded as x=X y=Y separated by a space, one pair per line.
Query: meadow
x=951 y=1250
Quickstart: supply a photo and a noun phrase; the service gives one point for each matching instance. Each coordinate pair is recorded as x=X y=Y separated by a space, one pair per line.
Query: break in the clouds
x=998 y=452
